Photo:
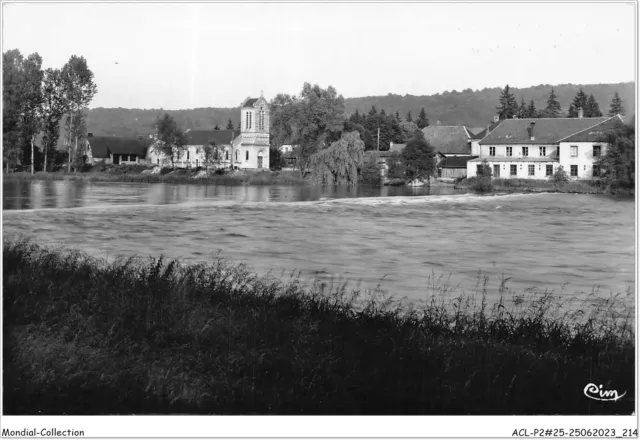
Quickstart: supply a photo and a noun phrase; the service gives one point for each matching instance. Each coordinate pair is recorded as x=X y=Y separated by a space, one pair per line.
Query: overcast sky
x=187 y=55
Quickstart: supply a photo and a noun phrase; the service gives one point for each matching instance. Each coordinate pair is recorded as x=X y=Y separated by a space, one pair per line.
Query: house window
x=574 y=170
x=549 y=170
x=525 y=151
x=509 y=151
x=514 y=170
x=236 y=155
x=226 y=155
x=187 y=154
x=492 y=151
x=439 y=172
x=596 y=171
x=597 y=150
x=478 y=170
x=158 y=161
x=196 y=163
x=543 y=151
x=532 y=170
x=558 y=151
x=247 y=155
x=574 y=151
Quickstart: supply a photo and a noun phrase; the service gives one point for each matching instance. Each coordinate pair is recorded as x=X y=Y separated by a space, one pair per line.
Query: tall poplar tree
x=54 y=106
x=80 y=90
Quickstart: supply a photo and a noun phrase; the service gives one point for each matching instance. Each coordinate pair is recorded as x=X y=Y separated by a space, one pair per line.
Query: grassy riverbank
x=84 y=336
x=533 y=186
x=125 y=173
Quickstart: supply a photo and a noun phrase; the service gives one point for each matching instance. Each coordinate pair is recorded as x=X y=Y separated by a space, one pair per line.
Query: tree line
x=509 y=107
x=330 y=145
x=35 y=101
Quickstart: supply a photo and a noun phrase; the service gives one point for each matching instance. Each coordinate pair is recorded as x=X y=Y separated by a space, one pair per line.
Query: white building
x=535 y=148
x=244 y=149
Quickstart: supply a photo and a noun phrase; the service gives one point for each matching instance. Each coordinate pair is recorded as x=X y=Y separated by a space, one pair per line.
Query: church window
x=236 y=155
x=261 y=119
x=249 y=120
x=247 y=155
x=246 y=122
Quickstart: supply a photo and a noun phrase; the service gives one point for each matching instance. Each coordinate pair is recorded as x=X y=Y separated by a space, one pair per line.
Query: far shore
x=143 y=174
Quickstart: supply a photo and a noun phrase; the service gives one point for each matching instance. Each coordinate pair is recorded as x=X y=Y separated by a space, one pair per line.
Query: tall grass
x=535 y=185
x=87 y=336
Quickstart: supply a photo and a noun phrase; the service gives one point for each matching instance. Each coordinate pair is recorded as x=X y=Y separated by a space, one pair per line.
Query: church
x=247 y=148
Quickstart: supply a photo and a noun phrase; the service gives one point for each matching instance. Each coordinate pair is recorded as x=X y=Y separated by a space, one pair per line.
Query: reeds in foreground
x=87 y=336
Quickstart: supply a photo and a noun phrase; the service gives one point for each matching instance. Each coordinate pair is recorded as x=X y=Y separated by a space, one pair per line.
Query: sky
x=189 y=55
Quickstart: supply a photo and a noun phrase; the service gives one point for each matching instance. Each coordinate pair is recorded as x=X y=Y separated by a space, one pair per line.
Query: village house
x=115 y=150
x=246 y=149
x=452 y=145
x=535 y=148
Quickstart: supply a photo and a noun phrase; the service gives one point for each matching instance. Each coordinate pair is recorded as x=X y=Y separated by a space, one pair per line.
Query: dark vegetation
x=86 y=336
x=134 y=173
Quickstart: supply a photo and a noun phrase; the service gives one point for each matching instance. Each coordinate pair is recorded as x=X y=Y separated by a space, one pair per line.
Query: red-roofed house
x=535 y=148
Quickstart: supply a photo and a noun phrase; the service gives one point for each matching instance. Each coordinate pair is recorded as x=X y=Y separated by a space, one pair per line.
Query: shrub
x=560 y=175
x=483 y=178
x=370 y=171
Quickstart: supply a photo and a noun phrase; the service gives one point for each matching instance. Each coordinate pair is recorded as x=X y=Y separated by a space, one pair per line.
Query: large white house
x=244 y=149
x=535 y=148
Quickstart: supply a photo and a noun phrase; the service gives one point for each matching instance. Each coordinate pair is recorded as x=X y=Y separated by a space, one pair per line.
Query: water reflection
x=70 y=194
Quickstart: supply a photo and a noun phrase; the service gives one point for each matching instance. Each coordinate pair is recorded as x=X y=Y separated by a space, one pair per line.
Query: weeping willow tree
x=339 y=164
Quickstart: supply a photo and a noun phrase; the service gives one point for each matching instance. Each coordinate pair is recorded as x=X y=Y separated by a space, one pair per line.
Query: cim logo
x=595 y=392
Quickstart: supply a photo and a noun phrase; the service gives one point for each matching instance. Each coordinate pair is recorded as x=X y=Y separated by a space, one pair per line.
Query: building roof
x=483 y=133
x=103 y=146
x=455 y=161
x=475 y=130
x=203 y=137
x=249 y=102
x=448 y=139
x=594 y=133
x=397 y=148
x=546 y=130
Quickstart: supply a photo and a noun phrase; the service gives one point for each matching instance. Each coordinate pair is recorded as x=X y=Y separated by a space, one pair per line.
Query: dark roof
x=483 y=133
x=249 y=102
x=594 y=133
x=546 y=130
x=203 y=137
x=448 y=139
x=455 y=161
x=103 y=146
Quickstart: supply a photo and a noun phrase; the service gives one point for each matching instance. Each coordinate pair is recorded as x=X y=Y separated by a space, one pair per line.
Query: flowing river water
x=406 y=240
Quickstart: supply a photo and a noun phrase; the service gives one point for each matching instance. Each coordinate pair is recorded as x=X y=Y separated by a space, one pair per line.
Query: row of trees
x=315 y=120
x=509 y=107
x=331 y=146
x=35 y=101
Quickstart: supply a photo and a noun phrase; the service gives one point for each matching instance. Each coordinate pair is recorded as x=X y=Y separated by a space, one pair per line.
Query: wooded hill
x=468 y=107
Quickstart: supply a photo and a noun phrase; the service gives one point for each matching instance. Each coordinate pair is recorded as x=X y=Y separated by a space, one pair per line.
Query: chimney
x=580 y=113
x=89 y=135
x=496 y=118
x=532 y=136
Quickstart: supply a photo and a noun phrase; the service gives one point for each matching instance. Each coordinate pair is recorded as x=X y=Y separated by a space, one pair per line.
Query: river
x=406 y=240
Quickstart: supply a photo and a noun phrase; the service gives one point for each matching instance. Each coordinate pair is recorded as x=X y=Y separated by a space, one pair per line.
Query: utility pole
x=378 y=138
